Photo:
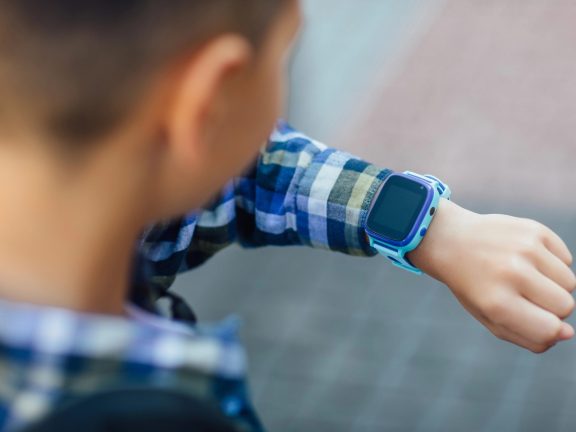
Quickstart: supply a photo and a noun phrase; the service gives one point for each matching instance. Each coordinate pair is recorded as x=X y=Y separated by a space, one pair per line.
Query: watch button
x=423 y=232
x=432 y=211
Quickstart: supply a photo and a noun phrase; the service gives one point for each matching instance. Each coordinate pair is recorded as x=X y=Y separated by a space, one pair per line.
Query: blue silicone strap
x=397 y=255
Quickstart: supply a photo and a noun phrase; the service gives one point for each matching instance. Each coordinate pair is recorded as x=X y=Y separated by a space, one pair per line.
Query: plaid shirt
x=298 y=193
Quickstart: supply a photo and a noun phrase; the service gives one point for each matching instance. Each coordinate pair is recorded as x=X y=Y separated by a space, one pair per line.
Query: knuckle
x=512 y=269
x=538 y=230
x=496 y=309
x=550 y=333
x=529 y=247
x=541 y=234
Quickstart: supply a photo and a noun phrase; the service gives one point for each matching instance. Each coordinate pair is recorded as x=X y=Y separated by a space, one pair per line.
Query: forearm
x=304 y=193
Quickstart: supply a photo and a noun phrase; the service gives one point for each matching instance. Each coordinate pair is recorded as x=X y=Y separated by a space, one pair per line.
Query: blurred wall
x=482 y=93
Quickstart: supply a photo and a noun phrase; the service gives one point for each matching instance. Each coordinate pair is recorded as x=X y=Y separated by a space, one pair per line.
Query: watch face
x=397 y=208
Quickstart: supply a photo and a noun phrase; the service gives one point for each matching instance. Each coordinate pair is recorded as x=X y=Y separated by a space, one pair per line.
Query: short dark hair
x=77 y=67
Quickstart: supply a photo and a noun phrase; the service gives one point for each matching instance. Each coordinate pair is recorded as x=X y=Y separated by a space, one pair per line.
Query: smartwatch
x=401 y=213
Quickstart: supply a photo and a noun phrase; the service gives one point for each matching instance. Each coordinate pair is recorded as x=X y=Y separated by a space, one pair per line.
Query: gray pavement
x=350 y=344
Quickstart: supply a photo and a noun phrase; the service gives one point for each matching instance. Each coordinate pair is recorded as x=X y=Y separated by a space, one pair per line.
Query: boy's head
x=195 y=85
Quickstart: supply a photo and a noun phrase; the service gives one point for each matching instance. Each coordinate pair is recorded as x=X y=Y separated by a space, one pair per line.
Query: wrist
x=433 y=255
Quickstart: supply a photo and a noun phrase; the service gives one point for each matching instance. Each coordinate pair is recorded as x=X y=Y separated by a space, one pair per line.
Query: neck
x=69 y=242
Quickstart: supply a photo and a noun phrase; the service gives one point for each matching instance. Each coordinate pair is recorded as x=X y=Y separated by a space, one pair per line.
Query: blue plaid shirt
x=299 y=192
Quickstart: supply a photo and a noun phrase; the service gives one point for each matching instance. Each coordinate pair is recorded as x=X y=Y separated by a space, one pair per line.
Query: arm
x=299 y=193
x=512 y=274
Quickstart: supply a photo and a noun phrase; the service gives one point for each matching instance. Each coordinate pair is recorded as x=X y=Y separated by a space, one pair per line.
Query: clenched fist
x=512 y=274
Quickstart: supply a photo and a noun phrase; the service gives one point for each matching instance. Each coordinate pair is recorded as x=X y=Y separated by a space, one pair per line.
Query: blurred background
x=480 y=93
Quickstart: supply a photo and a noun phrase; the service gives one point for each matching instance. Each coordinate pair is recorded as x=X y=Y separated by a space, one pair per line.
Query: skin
x=64 y=243
x=512 y=274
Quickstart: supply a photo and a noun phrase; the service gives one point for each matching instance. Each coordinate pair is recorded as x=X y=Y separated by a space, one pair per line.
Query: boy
x=118 y=114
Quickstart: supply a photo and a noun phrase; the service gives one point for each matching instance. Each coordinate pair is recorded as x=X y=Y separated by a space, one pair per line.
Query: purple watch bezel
x=416 y=228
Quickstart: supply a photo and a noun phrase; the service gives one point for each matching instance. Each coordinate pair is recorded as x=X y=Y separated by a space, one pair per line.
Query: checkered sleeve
x=299 y=192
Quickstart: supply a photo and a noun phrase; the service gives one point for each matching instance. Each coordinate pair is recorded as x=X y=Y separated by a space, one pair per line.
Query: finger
x=531 y=322
x=556 y=245
x=522 y=342
x=547 y=294
x=553 y=267
x=566 y=332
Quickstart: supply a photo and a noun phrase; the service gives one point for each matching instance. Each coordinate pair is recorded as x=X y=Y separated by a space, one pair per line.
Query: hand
x=512 y=274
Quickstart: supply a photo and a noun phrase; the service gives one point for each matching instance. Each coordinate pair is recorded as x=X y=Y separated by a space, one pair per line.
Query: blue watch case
x=388 y=241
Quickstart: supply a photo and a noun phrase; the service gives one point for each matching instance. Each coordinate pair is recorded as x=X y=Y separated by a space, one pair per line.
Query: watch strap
x=442 y=188
x=395 y=256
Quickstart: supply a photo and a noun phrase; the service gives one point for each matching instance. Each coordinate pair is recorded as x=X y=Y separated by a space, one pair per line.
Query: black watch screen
x=397 y=208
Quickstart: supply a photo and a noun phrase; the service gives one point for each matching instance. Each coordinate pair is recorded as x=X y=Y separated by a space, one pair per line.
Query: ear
x=198 y=98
